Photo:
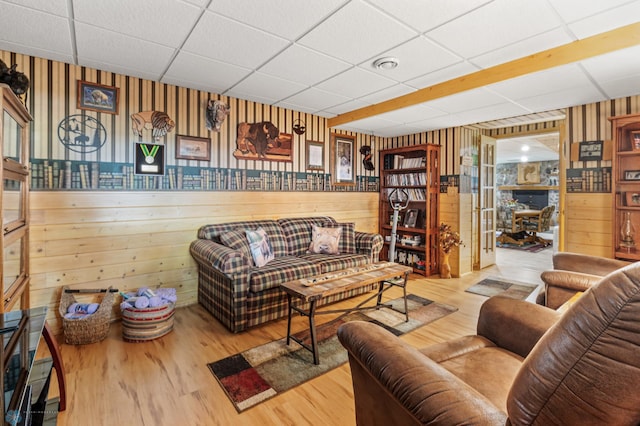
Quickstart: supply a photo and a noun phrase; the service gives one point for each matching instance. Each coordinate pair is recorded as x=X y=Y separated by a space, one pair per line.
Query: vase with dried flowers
x=448 y=239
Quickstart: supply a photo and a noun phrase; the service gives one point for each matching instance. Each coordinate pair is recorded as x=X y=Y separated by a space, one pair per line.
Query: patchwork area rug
x=508 y=288
x=255 y=375
x=531 y=248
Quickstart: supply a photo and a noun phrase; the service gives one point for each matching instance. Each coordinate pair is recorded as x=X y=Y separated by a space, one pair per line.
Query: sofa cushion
x=297 y=232
x=280 y=270
x=237 y=240
x=336 y=262
x=348 y=239
x=271 y=227
x=325 y=240
x=261 y=250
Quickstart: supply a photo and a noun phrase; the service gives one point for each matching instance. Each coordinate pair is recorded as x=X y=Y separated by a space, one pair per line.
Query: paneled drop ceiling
x=316 y=56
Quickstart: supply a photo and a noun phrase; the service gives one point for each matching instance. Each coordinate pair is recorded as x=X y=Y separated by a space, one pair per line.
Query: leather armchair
x=573 y=272
x=527 y=364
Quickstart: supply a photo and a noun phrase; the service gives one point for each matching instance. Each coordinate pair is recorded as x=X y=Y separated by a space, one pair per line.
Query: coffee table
x=312 y=290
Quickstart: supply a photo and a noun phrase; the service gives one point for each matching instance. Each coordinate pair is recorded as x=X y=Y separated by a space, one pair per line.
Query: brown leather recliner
x=573 y=272
x=583 y=370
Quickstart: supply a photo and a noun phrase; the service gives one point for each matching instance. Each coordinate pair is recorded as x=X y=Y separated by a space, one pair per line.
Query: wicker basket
x=141 y=325
x=90 y=329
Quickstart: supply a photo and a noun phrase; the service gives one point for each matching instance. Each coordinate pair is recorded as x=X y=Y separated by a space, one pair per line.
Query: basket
x=93 y=328
x=141 y=325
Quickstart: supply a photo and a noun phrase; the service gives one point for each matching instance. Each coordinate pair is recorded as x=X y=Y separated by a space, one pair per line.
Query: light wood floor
x=167 y=382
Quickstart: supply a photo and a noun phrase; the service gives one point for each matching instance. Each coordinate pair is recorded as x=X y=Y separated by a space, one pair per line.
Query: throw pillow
x=261 y=249
x=348 y=238
x=325 y=240
x=236 y=240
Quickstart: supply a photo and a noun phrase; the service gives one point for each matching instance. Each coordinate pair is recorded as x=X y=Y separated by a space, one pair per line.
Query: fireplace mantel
x=529 y=188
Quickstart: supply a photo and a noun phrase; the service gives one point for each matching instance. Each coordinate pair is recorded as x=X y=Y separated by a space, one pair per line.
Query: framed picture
x=590 y=151
x=150 y=159
x=263 y=141
x=315 y=155
x=193 y=148
x=410 y=218
x=632 y=175
x=635 y=140
x=342 y=167
x=633 y=199
x=97 y=97
x=528 y=173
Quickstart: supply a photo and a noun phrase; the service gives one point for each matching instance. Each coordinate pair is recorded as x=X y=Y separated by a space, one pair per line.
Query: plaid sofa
x=241 y=295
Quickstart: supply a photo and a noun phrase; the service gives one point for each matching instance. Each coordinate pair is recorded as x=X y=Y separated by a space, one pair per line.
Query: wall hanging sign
x=193 y=148
x=150 y=159
x=97 y=97
x=342 y=152
x=315 y=155
x=590 y=151
x=82 y=133
x=263 y=141
x=528 y=173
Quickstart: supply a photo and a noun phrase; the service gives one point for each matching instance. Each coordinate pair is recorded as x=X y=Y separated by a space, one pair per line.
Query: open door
x=487 y=202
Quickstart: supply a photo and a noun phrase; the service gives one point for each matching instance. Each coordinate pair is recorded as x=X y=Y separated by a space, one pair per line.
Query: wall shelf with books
x=414 y=169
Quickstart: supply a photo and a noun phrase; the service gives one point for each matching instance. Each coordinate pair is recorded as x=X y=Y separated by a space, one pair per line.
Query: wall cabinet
x=412 y=170
x=14 y=201
x=626 y=184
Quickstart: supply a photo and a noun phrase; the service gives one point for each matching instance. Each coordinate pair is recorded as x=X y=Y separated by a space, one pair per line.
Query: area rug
x=508 y=288
x=258 y=374
x=531 y=248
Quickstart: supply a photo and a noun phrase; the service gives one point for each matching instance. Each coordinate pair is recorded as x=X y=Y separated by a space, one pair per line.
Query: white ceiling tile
x=199 y=3
x=562 y=99
x=609 y=20
x=302 y=65
x=220 y=38
x=293 y=17
x=425 y=15
x=442 y=75
x=166 y=22
x=506 y=109
x=101 y=46
x=622 y=87
x=466 y=101
x=118 y=69
x=347 y=106
x=316 y=99
x=265 y=86
x=548 y=81
x=297 y=107
x=50 y=34
x=56 y=7
x=39 y=53
x=470 y=36
x=355 y=83
x=386 y=94
x=573 y=10
x=416 y=57
x=411 y=114
x=357 y=32
x=529 y=46
x=442 y=122
x=399 y=130
x=614 y=65
x=198 y=72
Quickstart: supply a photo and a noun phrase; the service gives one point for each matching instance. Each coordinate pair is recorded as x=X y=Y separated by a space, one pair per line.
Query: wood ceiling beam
x=599 y=44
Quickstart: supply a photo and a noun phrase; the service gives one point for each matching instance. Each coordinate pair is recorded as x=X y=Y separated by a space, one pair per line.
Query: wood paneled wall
x=133 y=239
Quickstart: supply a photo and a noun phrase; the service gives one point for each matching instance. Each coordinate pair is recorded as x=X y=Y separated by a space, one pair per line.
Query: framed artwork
x=528 y=173
x=342 y=167
x=410 y=218
x=590 y=151
x=263 y=141
x=632 y=175
x=150 y=159
x=97 y=97
x=633 y=199
x=193 y=148
x=315 y=155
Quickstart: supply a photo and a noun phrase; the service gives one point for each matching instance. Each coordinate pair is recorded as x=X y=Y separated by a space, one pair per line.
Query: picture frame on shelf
x=528 y=173
x=193 y=148
x=410 y=218
x=97 y=97
x=315 y=155
x=635 y=140
x=342 y=164
x=632 y=175
x=633 y=199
